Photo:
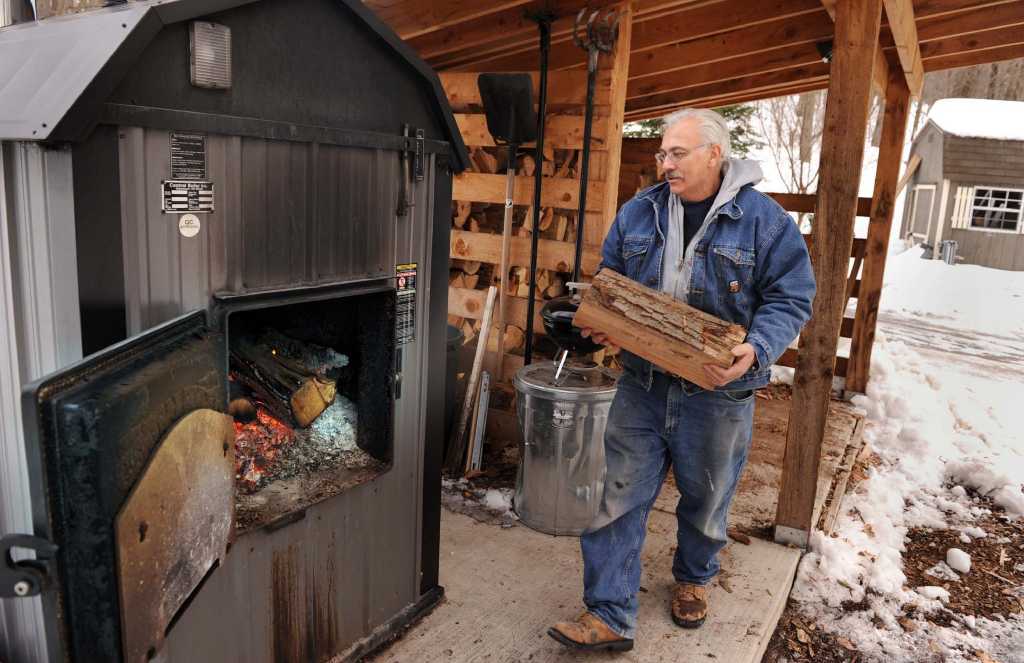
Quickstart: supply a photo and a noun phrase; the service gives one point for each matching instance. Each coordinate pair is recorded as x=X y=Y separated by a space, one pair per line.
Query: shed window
x=996 y=209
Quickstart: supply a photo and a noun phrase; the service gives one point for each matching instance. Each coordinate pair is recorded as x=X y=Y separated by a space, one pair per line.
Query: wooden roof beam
x=971 y=58
x=904 y=32
x=776 y=59
x=733 y=98
x=511 y=28
x=757 y=82
x=412 y=18
x=806 y=29
x=721 y=26
x=971 y=42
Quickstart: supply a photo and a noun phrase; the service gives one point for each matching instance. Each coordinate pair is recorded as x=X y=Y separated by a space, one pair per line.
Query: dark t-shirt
x=693 y=217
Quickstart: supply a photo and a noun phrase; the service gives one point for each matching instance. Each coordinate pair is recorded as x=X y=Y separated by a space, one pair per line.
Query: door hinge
x=412 y=167
x=28 y=577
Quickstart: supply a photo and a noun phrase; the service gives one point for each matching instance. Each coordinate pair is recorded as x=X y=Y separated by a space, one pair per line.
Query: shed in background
x=969 y=187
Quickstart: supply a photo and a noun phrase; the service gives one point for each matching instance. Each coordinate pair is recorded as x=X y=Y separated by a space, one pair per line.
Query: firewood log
x=658 y=327
x=461 y=213
x=467 y=266
x=527 y=166
x=514 y=339
x=295 y=381
x=561 y=227
x=546 y=217
x=484 y=161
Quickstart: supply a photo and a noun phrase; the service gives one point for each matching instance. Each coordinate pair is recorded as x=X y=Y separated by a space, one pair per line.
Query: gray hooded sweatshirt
x=677 y=265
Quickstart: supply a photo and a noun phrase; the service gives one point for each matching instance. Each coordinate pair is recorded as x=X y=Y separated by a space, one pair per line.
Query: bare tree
x=791 y=128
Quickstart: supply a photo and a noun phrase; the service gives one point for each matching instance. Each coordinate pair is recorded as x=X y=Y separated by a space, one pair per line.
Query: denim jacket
x=747 y=238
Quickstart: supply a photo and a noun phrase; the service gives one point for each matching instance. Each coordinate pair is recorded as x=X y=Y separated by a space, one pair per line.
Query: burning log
x=295 y=381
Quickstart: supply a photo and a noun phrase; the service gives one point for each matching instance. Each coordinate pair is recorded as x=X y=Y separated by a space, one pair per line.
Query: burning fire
x=257 y=443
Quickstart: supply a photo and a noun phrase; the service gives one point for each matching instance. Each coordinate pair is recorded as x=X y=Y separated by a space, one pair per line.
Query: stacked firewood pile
x=556 y=224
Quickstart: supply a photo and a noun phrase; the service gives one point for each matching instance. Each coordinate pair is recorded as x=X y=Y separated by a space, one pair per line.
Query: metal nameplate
x=180 y=196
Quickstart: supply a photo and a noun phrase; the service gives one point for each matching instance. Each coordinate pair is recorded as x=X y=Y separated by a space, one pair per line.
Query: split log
x=556 y=287
x=527 y=166
x=515 y=339
x=657 y=327
x=546 y=217
x=460 y=213
x=295 y=381
x=467 y=266
x=484 y=161
x=561 y=227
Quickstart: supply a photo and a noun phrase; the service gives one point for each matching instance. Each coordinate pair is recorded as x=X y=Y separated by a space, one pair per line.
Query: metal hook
x=600 y=32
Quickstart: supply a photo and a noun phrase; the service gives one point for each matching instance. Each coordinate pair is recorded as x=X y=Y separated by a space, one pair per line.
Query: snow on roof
x=979 y=118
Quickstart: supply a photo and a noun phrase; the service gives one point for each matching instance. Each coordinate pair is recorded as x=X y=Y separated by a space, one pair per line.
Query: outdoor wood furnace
x=258 y=194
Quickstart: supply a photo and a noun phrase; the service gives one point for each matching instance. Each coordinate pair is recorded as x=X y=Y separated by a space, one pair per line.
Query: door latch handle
x=29 y=577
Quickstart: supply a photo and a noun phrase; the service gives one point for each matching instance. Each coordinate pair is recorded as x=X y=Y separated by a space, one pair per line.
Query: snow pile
x=965 y=297
x=939 y=427
x=958 y=560
x=491 y=505
x=979 y=118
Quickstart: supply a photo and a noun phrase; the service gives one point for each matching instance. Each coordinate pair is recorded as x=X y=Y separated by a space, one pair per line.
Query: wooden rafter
x=904 y=33
x=411 y=19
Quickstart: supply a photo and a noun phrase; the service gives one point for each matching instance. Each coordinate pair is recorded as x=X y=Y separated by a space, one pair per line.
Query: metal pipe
x=585 y=166
x=544 y=25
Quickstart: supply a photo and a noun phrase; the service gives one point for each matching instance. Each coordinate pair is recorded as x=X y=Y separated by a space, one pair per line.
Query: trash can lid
x=578 y=381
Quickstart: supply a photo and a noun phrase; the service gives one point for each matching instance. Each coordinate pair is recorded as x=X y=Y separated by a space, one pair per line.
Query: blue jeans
x=705 y=437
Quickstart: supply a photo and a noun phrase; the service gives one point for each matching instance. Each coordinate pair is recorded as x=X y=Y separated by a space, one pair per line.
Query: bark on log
x=657 y=327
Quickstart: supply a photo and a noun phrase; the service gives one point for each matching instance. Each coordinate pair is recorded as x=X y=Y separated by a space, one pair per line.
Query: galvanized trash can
x=561 y=448
x=948 y=251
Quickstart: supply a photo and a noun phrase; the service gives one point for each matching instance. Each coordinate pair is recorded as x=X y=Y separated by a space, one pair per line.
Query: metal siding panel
x=254 y=213
x=43 y=250
x=277 y=219
x=21 y=622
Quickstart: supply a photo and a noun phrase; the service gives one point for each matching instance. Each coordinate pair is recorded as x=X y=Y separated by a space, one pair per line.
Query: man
x=707 y=237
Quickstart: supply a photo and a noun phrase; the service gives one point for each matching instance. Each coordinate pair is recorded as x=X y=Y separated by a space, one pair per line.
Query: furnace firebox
x=254 y=200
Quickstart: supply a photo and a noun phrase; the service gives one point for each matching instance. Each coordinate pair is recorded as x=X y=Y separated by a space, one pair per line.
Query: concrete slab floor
x=505 y=587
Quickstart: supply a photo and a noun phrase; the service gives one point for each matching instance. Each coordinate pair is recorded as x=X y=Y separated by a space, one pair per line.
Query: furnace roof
x=68 y=63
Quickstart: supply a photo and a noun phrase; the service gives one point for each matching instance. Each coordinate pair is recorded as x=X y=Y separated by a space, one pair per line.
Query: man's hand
x=744 y=356
x=598 y=337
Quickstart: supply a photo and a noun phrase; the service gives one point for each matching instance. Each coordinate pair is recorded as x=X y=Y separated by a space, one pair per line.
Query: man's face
x=694 y=175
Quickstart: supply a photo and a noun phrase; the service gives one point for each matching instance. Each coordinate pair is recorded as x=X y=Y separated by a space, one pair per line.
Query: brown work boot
x=689 y=605
x=589 y=633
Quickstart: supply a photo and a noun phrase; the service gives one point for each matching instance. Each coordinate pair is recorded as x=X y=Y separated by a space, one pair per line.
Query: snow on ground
x=944 y=414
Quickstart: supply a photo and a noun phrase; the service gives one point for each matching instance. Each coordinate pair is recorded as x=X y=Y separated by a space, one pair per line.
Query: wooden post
x=846 y=118
x=619 y=65
x=887 y=179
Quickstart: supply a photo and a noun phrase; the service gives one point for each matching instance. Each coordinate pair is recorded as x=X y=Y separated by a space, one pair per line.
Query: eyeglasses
x=678 y=154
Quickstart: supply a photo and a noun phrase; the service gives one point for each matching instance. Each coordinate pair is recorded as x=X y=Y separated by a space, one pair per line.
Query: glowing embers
x=257 y=444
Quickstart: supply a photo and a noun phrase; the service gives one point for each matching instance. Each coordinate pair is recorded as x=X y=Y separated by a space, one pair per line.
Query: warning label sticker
x=405 y=303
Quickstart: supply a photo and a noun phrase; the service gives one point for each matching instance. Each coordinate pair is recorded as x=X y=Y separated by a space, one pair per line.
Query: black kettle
x=557 y=315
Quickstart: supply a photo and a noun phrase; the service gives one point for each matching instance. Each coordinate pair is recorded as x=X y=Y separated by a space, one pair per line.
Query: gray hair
x=712 y=126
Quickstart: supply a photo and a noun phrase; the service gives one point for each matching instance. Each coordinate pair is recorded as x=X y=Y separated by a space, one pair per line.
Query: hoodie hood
x=676 y=268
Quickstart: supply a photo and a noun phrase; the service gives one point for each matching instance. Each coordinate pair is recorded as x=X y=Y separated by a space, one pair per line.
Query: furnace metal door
x=91 y=430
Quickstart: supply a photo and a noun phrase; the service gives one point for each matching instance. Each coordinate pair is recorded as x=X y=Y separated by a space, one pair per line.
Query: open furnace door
x=112 y=439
